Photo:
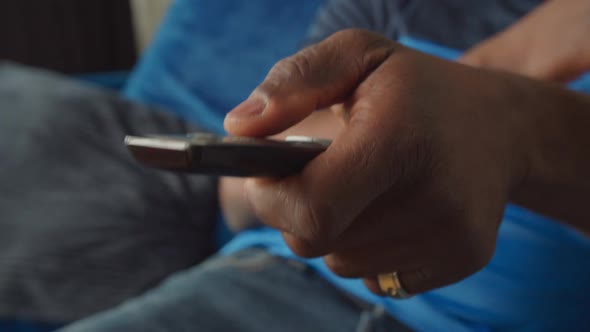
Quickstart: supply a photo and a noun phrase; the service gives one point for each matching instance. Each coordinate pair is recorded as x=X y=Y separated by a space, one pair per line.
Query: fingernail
x=251 y=107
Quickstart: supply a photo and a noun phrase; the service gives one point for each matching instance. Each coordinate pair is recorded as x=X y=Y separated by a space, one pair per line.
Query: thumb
x=317 y=77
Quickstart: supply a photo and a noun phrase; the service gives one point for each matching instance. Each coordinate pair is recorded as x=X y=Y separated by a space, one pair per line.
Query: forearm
x=557 y=181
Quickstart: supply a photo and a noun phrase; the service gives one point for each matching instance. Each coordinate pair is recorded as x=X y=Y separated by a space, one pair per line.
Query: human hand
x=238 y=213
x=551 y=43
x=418 y=179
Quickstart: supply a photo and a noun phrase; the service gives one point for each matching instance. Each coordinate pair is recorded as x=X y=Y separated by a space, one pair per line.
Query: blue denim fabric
x=83 y=226
x=250 y=290
x=18 y=326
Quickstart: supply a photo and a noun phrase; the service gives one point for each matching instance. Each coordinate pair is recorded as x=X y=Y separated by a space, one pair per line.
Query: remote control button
x=307 y=139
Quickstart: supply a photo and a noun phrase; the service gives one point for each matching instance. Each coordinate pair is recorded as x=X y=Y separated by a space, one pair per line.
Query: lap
x=248 y=291
x=82 y=225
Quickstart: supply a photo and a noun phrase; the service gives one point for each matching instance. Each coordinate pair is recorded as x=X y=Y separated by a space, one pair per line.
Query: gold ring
x=390 y=284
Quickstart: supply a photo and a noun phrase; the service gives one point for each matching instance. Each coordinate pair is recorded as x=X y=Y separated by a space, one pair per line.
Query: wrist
x=554 y=141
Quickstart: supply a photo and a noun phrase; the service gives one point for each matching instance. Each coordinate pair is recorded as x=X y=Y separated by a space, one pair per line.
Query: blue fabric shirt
x=209 y=55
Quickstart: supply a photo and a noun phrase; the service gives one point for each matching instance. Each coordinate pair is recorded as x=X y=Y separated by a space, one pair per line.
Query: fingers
x=383 y=257
x=372 y=284
x=349 y=201
x=419 y=268
x=319 y=204
x=414 y=277
x=413 y=282
x=331 y=191
x=382 y=221
x=316 y=77
x=414 y=244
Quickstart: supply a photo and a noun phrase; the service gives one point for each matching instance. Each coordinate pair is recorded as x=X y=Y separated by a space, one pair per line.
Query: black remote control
x=226 y=156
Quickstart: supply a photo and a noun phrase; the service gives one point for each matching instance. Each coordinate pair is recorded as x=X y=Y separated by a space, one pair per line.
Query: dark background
x=70 y=36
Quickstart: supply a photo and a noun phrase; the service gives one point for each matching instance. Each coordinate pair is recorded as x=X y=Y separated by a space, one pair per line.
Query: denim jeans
x=83 y=226
x=248 y=291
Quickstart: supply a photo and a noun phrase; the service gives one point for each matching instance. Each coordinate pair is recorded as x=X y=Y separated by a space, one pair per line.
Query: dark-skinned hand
x=417 y=180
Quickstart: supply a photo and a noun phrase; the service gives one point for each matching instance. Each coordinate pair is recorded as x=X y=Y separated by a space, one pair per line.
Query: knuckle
x=275 y=79
x=354 y=35
x=344 y=36
x=371 y=49
x=297 y=66
x=287 y=74
x=375 y=52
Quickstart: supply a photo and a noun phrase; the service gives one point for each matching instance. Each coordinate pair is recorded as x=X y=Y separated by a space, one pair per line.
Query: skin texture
x=421 y=132
x=461 y=152
x=523 y=48
x=551 y=43
x=237 y=212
